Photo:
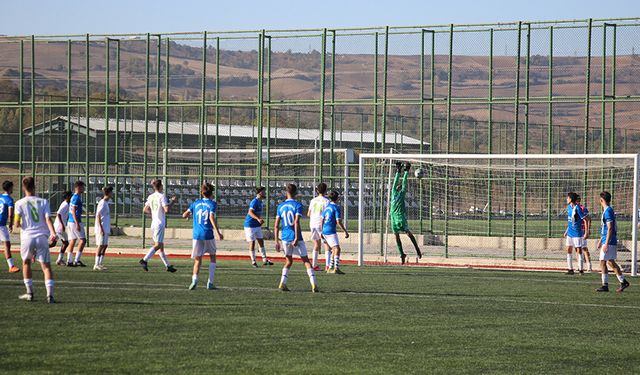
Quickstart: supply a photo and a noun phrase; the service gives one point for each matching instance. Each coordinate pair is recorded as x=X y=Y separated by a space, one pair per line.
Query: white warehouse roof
x=224 y=130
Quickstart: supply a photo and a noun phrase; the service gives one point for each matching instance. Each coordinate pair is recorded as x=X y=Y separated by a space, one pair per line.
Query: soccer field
x=371 y=320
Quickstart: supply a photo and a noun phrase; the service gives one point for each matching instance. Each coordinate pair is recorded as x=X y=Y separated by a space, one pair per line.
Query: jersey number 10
x=288 y=218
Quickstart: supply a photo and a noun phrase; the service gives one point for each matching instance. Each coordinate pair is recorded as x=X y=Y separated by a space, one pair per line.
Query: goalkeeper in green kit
x=398 y=210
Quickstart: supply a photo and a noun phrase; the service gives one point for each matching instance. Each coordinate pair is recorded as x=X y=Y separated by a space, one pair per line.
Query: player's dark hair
x=572 y=196
x=207 y=190
x=66 y=195
x=321 y=188
x=260 y=189
x=78 y=184
x=292 y=189
x=577 y=197
x=107 y=190
x=29 y=183
x=157 y=183
x=606 y=196
x=7 y=185
x=333 y=195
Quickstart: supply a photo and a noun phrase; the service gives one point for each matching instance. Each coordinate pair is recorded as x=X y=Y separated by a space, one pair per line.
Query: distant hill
x=296 y=75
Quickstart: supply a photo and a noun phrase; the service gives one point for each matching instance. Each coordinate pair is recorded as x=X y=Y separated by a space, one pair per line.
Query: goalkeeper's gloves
x=407 y=166
x=399 y=166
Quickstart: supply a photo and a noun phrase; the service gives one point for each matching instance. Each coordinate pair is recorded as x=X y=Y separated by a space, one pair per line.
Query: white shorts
x=157 y=233
x=584 y=243
x=4 y=234
x=62 y=236
x=290 y=250
x=332 y=240
x=102 y=239
x=575 y=242
x=316 y=234
x=201 y=247
x=253 y=233
x=611 y=254
x=74 y=234
x=35 y=246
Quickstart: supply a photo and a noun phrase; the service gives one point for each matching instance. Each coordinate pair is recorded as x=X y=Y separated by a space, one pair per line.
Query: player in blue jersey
x=203 y=212
x=75 y=228
x=290 y=240
x=6 y=223
x=585 y=246
x=608 y=245
x=331 y=219
x=253 y=228
x=575 y=234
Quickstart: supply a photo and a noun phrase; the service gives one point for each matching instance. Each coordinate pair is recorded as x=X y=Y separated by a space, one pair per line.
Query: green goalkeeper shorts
x=399 y=224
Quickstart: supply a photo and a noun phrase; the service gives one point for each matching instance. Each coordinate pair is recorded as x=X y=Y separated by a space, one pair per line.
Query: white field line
x=178 y=287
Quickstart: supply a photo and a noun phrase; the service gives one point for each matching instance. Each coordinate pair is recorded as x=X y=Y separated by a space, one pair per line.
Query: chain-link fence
x=106 y=108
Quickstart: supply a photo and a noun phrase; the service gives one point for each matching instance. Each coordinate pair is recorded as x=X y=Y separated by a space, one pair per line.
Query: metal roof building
x=237 y=135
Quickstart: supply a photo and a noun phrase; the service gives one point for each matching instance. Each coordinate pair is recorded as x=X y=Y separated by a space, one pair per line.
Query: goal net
x=492 y=207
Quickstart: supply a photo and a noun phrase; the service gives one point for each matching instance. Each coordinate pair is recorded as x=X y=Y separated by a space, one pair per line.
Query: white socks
x=164 y=258
x=69 y=257
x=212 y=272
x=252 y=253
x=99 y=259
x=569 y=261
x=327 y=257
x=605 y=278
x=312 y=276
x=580 y=262
x=314 y=263
x=194 y=279
x=49 y=286
x=78 y=255
x=336 y=261
x=10 y=262
x=28 y=283
x=60 y=257
x=263 y=252
x=285 y=273
x=150 y=254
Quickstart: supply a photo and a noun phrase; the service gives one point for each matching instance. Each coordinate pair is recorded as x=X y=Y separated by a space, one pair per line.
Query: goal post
x=497 y=206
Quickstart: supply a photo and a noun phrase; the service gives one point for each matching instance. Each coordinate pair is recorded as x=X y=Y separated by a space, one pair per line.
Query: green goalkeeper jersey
x=398 y=209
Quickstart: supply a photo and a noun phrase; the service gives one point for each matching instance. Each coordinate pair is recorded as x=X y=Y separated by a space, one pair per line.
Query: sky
x=44 y=17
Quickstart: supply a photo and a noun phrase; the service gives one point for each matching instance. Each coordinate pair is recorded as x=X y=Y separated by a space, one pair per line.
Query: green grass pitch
x=379 y=320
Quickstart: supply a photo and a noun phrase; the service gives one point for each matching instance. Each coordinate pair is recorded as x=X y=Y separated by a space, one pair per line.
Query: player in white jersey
x=36 y=236
x=157 y=205
x=102 y=228
x=316 y=207
x=60 y=225
x=6 y=223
